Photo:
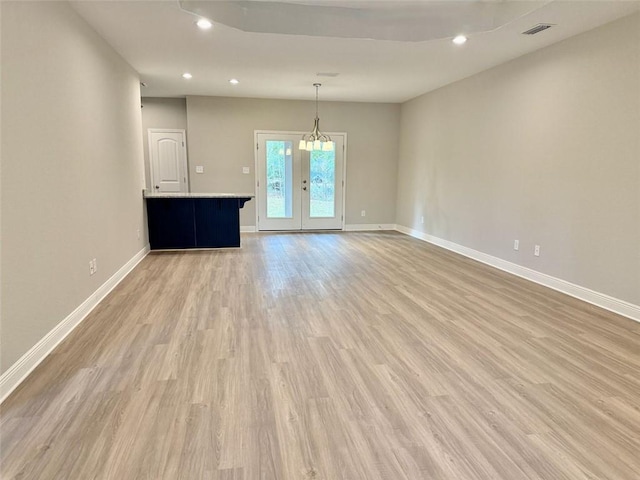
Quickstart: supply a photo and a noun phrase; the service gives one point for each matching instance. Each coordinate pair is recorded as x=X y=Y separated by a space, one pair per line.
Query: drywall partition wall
x=72 y=170
x=544 y=149
x=221 y=139
x=161 y=113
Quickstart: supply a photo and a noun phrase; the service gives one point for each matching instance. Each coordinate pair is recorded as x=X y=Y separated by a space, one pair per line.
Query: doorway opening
x=297 y=189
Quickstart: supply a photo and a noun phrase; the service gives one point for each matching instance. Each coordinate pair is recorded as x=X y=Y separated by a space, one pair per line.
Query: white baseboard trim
x=364 y=227
x=355 y=227
x=16 y=374
x=607 y=302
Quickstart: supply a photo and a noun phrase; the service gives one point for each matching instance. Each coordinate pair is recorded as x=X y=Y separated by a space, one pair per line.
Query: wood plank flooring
x=361 y=356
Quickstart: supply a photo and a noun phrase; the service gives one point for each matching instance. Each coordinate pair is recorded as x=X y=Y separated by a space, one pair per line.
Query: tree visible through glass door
x=322 y=184
x=279 y=182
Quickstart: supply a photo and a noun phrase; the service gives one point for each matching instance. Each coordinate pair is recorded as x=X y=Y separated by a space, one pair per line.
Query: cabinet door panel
x=171 y=223
x=217 y=222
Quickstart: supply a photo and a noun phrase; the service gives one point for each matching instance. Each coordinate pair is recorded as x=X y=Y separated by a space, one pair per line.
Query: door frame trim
x=186 y=161
x=289 y=132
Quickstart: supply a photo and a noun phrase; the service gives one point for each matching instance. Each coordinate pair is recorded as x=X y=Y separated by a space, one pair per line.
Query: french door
x=297 y=189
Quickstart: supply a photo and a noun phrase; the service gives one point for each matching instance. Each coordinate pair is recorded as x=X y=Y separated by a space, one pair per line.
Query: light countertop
x=196 y=195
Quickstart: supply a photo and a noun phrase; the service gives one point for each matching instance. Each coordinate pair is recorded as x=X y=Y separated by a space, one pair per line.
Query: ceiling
x=383 y=51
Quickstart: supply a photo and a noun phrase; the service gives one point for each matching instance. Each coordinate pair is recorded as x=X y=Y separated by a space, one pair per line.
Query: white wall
x=221 y=138
x=72 y=170
x=544 y=149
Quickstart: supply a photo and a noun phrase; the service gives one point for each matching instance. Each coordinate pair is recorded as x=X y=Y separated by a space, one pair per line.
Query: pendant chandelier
x=316 y=140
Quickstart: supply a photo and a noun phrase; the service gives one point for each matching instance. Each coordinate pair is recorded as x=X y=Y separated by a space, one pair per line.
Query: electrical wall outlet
x=516 y=244
x=93 y=266
x=138 y=233
x=536 y=250
x=246 y=170
x=199 y=169
x=363 y=213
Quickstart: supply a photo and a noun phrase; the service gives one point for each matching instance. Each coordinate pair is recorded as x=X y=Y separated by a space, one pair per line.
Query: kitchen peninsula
x=194 y=220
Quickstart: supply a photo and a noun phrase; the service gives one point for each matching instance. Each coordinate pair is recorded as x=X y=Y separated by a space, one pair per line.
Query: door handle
x=157 y=187
x=304 y=188
x=304 y=181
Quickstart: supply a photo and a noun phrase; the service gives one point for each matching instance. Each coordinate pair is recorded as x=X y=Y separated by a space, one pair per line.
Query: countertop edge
x=197 y=195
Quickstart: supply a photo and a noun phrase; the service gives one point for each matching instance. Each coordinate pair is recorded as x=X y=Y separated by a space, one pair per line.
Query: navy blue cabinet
x=201 y=222
x=217 y=222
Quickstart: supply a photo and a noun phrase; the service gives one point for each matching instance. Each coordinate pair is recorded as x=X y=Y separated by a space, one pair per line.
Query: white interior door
x=168 y=158
x=298 y=190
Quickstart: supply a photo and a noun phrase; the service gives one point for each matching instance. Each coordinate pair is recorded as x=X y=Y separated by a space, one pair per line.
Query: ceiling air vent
x=538 y=28
x=327 y=74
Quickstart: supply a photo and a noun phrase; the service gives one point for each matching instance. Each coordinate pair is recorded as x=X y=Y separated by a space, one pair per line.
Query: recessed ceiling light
x=187 y=75
x=204 y=24
x=234 y=81
x=460 y=39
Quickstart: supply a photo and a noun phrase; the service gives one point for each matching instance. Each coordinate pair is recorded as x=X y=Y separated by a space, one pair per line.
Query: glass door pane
x=279 y=184
x=322 y=184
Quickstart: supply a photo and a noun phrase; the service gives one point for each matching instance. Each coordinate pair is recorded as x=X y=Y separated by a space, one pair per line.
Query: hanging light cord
x=308 y=141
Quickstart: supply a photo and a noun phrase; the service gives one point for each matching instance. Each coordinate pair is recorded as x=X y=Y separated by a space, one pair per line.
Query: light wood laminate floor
x=362 y=356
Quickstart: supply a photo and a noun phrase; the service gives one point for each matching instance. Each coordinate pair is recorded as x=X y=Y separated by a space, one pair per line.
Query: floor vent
x=538 y=28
